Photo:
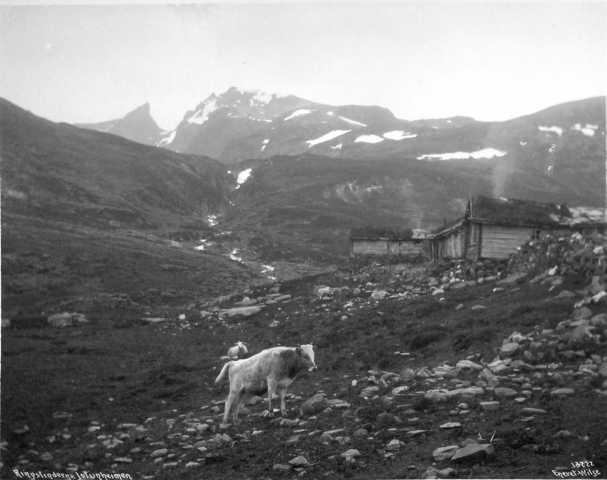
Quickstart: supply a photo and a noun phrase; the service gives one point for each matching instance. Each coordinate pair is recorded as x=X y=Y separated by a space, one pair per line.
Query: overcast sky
x=491 y=61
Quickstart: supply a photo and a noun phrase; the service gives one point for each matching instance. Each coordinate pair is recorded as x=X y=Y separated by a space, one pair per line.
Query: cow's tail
x=223 y=372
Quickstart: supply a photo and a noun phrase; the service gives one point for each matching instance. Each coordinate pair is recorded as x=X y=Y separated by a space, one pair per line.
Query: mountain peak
x=137 y=125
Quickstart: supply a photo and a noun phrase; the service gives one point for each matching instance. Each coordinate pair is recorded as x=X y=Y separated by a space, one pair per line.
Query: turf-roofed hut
x=392 y=242
x=496 y=227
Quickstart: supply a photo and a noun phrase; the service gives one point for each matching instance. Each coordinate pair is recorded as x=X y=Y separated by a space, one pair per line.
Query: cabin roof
x=516 y=213
x=511 y=212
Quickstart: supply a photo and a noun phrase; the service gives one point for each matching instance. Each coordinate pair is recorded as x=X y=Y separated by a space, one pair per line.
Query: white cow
x=267 y=371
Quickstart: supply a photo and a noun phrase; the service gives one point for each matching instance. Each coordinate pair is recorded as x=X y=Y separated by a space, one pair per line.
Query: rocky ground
x=466 y=370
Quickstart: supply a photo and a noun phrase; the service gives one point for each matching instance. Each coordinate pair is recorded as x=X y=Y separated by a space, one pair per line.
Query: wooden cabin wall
x=500 y=242
x=387 y=247
x=370 y=247
x=406 y=248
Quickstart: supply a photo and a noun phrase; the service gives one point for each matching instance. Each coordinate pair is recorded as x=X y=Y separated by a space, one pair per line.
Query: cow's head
x=307 y=354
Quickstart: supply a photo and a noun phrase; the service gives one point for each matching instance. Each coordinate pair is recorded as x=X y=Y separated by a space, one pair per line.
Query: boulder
x=509 y=348
x=489 y=377
x=299 y=461
x=436 y=395
x=379 y=294
x=490 y=406
x=315 y=404
x=241 y=311
x=432 y=472
x=504 y=392
x=468 y=365
x=558 y=392
x=444 y=453
x=66 y=319
x=473 y=452
x=350 y=455
x=394 y=445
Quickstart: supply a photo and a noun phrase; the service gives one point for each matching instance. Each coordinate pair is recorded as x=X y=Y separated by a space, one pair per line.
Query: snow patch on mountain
x=478 y=154
x=212 y=220
x=234 y=255
x=352 y=122
x=398 y=135
x=298 y=113
x=243 y=176
x=204 y=243
x=201 y=115
x=368 y=139
x=337 y=147
x=552 y=129
x=167 y=139
x=588 y=129
x=264 y=144
x=326 y=137
x=262 y=97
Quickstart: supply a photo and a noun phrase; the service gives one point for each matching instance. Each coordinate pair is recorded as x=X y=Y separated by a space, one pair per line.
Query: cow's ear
x=298 y=350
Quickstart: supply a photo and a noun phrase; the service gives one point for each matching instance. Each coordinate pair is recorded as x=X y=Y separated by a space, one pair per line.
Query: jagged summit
x=137 y=125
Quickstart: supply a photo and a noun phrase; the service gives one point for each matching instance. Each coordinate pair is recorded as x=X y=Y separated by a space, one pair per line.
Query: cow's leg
x=283 y=406
x=241 y=399
x=272 y=384
x=232 y=396
x=236 y=406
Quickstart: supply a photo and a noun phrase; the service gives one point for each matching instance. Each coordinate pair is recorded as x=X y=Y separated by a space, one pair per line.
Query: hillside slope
x=304 y=206
x=87 y=214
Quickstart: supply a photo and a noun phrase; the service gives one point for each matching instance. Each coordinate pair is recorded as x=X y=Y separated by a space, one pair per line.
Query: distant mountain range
x=563 y=141
x=295 y=196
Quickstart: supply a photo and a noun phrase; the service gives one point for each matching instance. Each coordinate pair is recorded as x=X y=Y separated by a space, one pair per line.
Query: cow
x=239 y=350
x=265 y=372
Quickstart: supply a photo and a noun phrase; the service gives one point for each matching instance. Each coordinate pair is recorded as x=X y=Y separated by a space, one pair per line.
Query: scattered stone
x=509 y=348
x=490 y=406
x=299 y=461
x=123 y=460
x=436 y=395
x=473 y=452
x=394 y=445
x=432 y=473
x=241 y=311
x=378 y=294
x=478 y=307
x=468 y=364
x=444 y=453
x=66 y=319
x=504 y=392
x=281 y=467
x=450 y=425
x=315 y=404
x=369 y=391
x=159 y=452
x=153 y=320
x=562 y=391
x=350 y=455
